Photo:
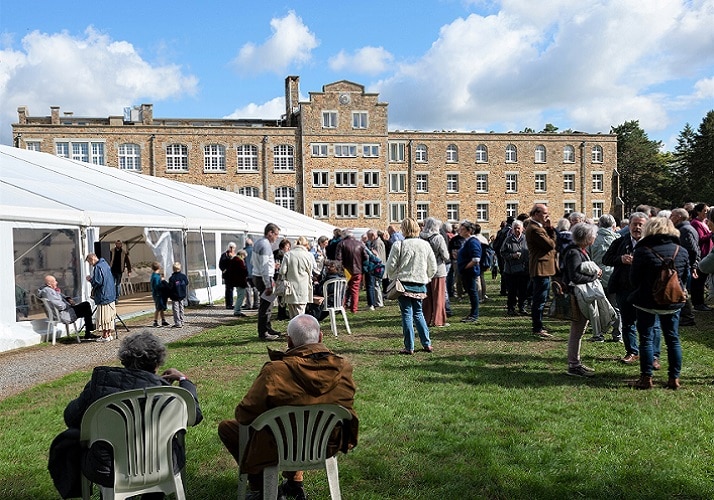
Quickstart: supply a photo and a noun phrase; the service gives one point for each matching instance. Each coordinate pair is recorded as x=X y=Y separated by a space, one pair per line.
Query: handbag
x=395 y=289
x=563 y=305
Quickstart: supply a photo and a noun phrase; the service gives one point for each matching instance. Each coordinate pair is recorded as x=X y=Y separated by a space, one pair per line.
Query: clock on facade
x=344 y=98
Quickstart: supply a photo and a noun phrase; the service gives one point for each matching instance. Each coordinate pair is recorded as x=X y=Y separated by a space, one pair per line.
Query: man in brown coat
x=307 y=373
x=541 y=263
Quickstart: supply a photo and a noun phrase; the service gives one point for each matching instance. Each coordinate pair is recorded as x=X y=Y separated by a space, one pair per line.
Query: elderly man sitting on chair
x=307 y=373
x=69 y=311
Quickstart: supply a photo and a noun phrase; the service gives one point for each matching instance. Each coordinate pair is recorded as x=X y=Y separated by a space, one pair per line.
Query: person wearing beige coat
x=296 y=268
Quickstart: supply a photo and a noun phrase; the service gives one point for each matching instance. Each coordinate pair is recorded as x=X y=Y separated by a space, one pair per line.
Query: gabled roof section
x=343 y=86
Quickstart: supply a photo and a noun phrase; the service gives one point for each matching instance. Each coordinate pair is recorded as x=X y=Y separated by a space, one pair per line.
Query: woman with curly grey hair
x=141 y=354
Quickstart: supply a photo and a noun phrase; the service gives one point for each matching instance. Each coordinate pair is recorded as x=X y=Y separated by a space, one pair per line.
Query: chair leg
x=242 y=485
x=270 y=483
x=333 y=478
x=333 y=321
x=178 y=487
x=347 y=323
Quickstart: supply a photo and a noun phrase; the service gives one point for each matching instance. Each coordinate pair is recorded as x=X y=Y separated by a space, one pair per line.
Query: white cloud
x=704 y=89
x=274 y=108
x=593 y=65
x=291 y=43
x=90 y=75
x=367 y=61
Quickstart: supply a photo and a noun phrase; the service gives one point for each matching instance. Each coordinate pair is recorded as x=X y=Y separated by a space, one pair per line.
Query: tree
x=549 y=129
x=679 y=166
x=643 y=170
x=701 y=161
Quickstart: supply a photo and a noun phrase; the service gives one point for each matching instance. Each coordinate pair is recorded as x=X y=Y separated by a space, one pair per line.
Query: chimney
x=147 y=114
x=292 y=96
x=55 y=115
x=22 y=115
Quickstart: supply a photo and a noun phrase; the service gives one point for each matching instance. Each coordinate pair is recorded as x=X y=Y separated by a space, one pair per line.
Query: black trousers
x=84 y=310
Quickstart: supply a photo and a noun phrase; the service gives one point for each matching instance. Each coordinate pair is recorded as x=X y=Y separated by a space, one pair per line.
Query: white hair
x=304 y=329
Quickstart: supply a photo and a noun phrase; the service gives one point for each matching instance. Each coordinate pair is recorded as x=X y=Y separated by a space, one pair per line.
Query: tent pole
x=205 y=269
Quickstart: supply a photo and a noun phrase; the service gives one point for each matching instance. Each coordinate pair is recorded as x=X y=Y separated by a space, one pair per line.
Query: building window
x=568 y=206
x=32 y=145
x=452 y=153
x=329 y=119
x=359 y=119
x=247 y=158
x=89 y=152
x=371 y=178
x=598 y=209
x=398 y=182
x=318 y=150
x=422 y=183
x=396 y=151
x=250 y=191
x=397 y=212
x=177 y=158
x=452 y=183
x=346 y=150
x=452 y=212
x=130 y=157
x=481 y=153
x=540 y=185
x=482 y=183
x=420 y=154
x=568 y=154
x=597 y=182
x=597 y=154
x=214 y=158
x=512 y=209
x=320 y=178
x=482 y=212
x=370 y=150
x=422 y=211
x=569 y=183
x=511 y=154
x=540 y=154
x=511 y=183
x=321 y=210
x=372 y=210
x=283 y=158
x=346 y=178
x=285 y=197
x=346 y=210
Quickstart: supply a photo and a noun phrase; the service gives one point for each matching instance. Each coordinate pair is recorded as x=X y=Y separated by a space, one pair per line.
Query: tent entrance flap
x=167 y=246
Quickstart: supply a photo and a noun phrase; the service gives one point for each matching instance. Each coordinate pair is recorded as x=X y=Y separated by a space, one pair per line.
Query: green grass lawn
x=491 y=414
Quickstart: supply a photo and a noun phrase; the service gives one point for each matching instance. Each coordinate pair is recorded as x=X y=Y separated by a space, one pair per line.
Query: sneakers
x=702 y=307
x=630 y=359
x=597 y=338
x=156 y=324
x=469 y=319
x=165 y=323
x=580 y=371
x=543 y=334
x=105 y=339
x=371 y=308
x=616 y=338
x=270 y=337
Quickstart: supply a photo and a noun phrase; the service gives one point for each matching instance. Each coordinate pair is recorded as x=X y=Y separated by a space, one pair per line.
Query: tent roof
x=40 y=187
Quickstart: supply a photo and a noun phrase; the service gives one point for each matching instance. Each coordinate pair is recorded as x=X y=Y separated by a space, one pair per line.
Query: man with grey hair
x=576 y=218
x=223 y=264
x=606 y=235
x=373 y=284
x=689 y=239
x=308 y=373
x=619 y=256
x=263 y=263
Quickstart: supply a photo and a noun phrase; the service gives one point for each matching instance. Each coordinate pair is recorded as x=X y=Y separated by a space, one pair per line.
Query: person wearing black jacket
x=660 y=236
x=141 y=354
x=689 y=239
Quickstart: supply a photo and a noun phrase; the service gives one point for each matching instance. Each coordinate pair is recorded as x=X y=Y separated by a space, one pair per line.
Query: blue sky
x=441 y=65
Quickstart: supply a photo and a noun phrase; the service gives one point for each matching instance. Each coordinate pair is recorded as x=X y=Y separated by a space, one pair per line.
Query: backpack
x=667 y=290
x=373 y=265
x=487 y=256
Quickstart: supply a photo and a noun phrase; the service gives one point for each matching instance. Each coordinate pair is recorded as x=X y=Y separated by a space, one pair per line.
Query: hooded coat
x=306 y=375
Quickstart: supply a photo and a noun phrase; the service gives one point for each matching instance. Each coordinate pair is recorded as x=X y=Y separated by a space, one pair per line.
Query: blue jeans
x=646 y=326
x=541 y=286
x=238 y=304
x=370 y=282
x=628 y=320
x=413 y=315
x=468 y=281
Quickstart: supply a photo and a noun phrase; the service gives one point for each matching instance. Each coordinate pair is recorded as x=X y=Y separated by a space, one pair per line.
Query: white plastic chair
x=140 y=425
x=54 y=319
x=301 y=435
x=334 y=291
x=127 y=287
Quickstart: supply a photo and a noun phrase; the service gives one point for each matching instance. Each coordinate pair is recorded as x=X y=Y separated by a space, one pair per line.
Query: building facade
x=333 y=158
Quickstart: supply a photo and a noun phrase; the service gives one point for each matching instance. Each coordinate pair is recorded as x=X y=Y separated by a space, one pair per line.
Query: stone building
x=333 y=157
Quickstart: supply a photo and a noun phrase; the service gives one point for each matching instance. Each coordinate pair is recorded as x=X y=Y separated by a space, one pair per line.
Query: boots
x=673 y=383
x=644 y=383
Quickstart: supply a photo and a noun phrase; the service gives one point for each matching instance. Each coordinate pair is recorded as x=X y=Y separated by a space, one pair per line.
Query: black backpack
x=667 y=289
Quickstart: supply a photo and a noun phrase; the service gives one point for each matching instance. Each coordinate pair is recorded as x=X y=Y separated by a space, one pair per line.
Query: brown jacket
x=306 y=375
x=541 y=251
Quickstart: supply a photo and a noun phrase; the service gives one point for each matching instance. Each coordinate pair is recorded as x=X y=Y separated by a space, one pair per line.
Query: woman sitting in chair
x=141 y=354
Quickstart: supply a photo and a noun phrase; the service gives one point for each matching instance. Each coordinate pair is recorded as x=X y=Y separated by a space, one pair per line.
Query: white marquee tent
x=53 y=210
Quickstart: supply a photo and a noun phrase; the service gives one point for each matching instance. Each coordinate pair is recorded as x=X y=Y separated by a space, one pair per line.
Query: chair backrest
x=140 y=425
x=53 y=314
x=334 y=291
x=302 y=433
